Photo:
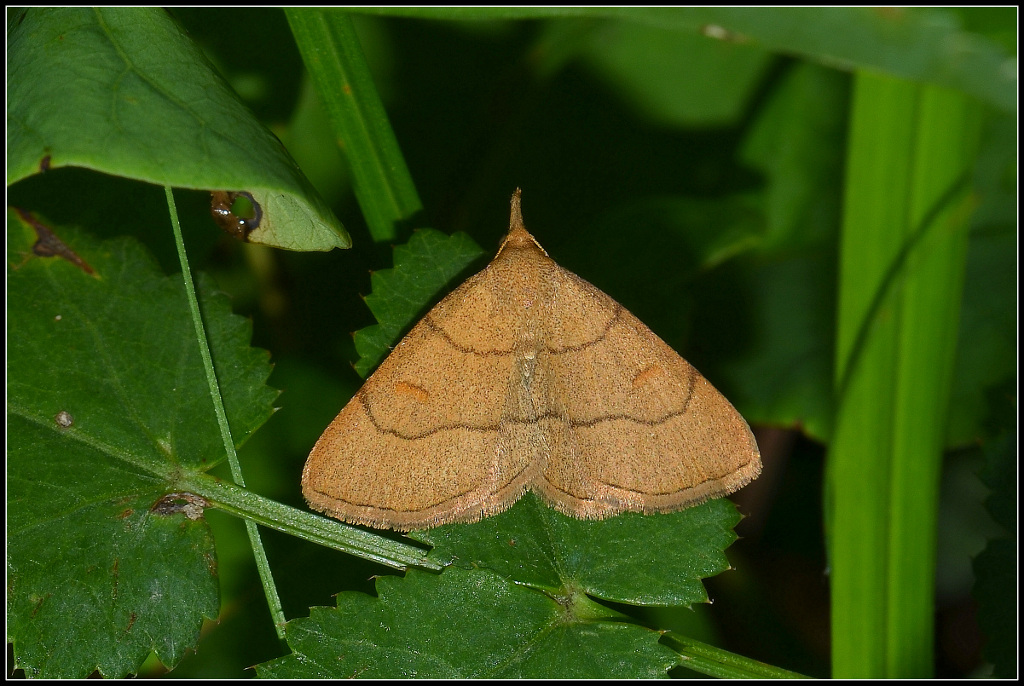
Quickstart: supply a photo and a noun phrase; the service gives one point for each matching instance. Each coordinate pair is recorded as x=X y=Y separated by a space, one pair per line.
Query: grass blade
x=902 y=262
x=335 y=60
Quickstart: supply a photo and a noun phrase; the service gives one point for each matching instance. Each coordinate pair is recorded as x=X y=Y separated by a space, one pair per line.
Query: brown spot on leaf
x=189 y=504
x=64 y=419
x=48 y=244
x=44 y=164
x=39 y=604
x=211 y=563
x=126 y=513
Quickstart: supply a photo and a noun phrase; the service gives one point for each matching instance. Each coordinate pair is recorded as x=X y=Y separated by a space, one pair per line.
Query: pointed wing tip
x=518 y=236
x=516 y=218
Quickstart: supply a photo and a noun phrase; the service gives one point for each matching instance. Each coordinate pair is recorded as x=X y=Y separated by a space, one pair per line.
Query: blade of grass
x=901 y=272
x=712 y=661
x=332 y=53
x=262 y=564
x=947 y=135
x=256 y=509
x=306 y=525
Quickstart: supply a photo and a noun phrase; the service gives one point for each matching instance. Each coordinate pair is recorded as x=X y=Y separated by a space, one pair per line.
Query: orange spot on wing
x=417 y=393
x=646 y=375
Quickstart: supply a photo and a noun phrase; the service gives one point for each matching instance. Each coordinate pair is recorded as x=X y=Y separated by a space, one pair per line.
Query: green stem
x=262 y=564
x=335 y=61
x=707 y=659
x=306 y=525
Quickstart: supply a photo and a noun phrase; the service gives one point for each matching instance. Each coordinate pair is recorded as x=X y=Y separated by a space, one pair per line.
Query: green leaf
x=996 y=568
x=987 y=343
x=423 y=267
x=996 y=571
x=465 y=624
x=796 y=142
x=515 y=600
x=124 y=91
x=539 y=547
x=675 y=78
x=108 y=409
x=925 y=45
x=781 y=377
